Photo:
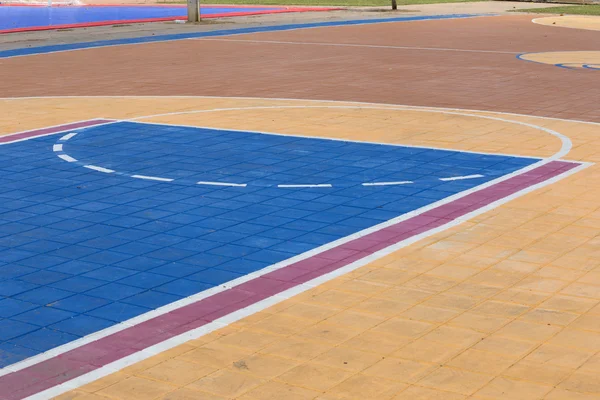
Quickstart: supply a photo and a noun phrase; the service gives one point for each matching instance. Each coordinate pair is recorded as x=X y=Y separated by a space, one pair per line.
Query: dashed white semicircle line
x=152 y=178
x=58 y=148
x=320 y=185
x=99 y=169
x=68 y=136
x=221 y=184
x=460 y=178
x=387 y=183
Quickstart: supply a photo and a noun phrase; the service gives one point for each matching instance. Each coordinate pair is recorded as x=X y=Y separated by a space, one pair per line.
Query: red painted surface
x=91 y=356
x=47 y=131
x=258 y=11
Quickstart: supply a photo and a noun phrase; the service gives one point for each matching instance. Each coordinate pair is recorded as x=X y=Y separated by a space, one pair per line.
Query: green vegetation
x=593 y=9
x=342 y=3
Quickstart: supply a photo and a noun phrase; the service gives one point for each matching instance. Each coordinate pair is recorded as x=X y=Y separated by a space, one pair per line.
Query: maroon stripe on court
x=54 y=129
x=91 y=356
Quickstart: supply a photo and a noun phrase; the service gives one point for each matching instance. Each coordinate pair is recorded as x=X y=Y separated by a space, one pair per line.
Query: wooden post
x=193 y=10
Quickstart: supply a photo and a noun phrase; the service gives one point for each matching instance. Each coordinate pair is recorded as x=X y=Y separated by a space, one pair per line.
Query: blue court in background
x=23 y=17
x=82 y=250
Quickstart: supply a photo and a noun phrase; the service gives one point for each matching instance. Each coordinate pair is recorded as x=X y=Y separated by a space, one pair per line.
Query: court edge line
x=356 y=45
x=209 y=292
x=340 y=139
x=258 y=29
x=332 y=138
x=109 y=121
x=263 y=304
x=151 y=314
x=565 y=147
x=298 y=100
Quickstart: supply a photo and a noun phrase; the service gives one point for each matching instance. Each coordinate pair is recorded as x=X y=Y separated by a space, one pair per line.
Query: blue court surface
x=27 y=17
x=81 y=250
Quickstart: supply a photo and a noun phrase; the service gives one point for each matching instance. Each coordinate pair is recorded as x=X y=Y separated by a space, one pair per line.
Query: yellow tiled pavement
x=571 y=21
x=504 y=306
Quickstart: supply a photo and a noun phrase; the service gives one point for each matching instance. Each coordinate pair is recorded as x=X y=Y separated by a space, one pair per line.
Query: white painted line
x=392 y=20
x=207 y=293
x=152 y=178
x=356 y=103
x=57 y=147
x=268 y=302
x=565 y=141
x=68 y=136
x=387 y=183
x=322 y=185
x=67 y=158
x=99 y=169
x=221 y=184
x=238 y=281
x=52 y=126
x=369 y=46
x=460 y=178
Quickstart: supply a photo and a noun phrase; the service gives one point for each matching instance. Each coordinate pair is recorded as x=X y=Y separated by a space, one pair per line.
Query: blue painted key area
x=81 y=250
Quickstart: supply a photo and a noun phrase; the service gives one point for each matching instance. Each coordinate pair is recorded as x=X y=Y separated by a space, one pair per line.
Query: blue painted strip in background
x=225 y=32
x=27 y=17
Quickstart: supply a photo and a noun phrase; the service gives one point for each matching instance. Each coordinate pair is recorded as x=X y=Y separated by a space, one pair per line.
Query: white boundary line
x=52 y=133
x=341 y=24
x=194 y=298
x=412 y=146
x=292 y=100
x=565 y=141
x=262 y=305
x=191 y=299
x=370 y=46
x=566 y=144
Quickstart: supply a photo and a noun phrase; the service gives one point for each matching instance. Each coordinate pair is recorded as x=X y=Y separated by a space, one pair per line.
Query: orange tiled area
x=504 y=306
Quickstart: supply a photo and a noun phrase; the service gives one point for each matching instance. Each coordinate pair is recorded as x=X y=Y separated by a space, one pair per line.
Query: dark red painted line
x=91 y=356
x=54 y=129
x=159 y=5
x=166 y=19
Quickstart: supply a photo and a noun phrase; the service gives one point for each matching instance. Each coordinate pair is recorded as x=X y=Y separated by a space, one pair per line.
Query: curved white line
x=191 y=299
x=287 y=99
x=566 y=143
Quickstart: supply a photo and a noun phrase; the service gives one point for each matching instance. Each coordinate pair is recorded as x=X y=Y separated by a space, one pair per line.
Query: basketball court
x=383 y=208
